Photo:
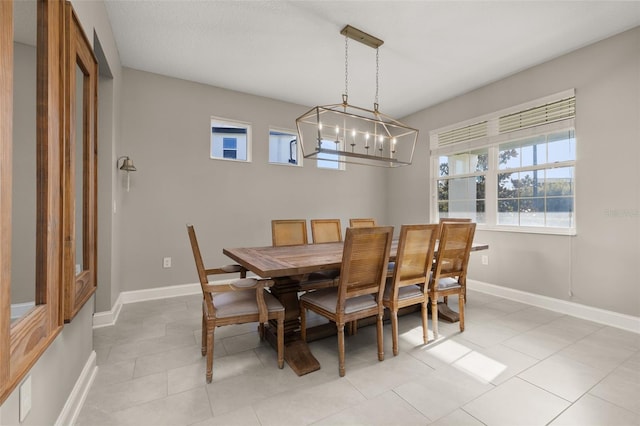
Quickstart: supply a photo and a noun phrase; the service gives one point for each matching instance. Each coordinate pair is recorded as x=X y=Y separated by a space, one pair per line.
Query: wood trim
x=6 y=132
x=29 y=337
x=79 y=288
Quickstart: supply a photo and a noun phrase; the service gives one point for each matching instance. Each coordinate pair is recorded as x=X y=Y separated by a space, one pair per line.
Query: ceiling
x=293 y=50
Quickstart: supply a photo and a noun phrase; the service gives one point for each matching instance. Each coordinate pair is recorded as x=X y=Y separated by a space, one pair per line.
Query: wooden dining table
x=288 y=266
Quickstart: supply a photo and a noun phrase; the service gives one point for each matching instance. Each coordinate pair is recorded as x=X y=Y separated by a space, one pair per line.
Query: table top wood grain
x=297 y=260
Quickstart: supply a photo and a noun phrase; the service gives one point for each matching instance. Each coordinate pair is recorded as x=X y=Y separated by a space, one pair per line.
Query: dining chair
x=289 y=232
x=360 y=287
x=408 y=284
x=449 y=273
x=454 y=220
x=293 y=232
x=361 y=222
x=326 y=230
x=241 y=301
x=451 y=219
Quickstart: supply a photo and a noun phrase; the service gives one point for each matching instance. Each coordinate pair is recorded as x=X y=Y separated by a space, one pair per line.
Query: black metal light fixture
x=127 y=166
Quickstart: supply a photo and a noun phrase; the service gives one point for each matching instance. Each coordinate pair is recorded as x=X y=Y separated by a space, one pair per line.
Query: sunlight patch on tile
x=448 y=351
x=480 y=366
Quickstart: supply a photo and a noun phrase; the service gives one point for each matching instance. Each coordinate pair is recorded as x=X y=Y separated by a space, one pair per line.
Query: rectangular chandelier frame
x=359 y=136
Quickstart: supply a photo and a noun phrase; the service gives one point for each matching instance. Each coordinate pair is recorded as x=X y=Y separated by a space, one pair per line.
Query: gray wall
x=598 y=265
x=23 y=224
x=166 y=131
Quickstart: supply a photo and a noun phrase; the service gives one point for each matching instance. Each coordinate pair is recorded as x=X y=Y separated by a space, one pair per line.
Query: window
x=511 y=170
x=535 y=182
x=327 y=160
x=461 y=185
x=230 y=140
x=283 y=147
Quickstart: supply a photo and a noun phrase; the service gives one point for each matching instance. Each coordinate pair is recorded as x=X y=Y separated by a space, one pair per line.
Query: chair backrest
x=454 y=247
x=451 y=219
x=364 y=263
x=362 y=222
x=326 y=230
x=289 y=232
x=414 y=257
x=202 y=275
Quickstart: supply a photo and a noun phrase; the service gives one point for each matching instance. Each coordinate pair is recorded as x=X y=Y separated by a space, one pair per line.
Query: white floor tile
x=592 y=411
x=516 y=402
x=385 y=409
x=510 y=366
x=563 y=376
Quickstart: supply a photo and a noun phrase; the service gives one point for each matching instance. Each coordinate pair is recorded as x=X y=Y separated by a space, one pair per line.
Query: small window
x=230 y=140
x=283 y=147
x=327 y=160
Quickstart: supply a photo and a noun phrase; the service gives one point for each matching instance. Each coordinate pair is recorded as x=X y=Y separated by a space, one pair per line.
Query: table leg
x=296 y=352
x=446 y=313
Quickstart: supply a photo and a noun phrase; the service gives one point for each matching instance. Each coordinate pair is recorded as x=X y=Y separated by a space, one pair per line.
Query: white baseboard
x=105 y=319
x=613 y=319
x=602 y=316
x=160 y=293
x=72 y=407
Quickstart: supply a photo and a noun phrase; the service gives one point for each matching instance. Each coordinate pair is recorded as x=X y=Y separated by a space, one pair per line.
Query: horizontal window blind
x=463 y=134
x=544 y=114
x=541 y=115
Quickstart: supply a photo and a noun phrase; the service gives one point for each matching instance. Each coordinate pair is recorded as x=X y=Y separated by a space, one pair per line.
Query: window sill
x=528 y=230
x=230 y=160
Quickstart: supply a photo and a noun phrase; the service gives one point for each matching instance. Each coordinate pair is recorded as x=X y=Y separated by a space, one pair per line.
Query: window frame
x=490 y=138
x=231 y=123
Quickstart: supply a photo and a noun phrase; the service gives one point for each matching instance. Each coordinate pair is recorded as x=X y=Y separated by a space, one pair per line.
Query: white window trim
x=233 y=123
x=492 y=139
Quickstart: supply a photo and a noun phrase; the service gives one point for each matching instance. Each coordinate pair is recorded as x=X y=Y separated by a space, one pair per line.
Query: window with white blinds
x=510 y=170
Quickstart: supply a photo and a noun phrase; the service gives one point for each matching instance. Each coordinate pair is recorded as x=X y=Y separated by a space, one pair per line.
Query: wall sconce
x=127 y=166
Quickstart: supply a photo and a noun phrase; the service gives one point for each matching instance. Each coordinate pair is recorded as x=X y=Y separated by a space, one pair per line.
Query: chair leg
x=425 y=329
x=394 y=330
x=434 y=315
x=210 y=353
x=461 y=303
x=341 y=349
x=446 y=300
x=380 y=340
x=203 y=345
x=303 y=323
x=261 y=331
x=281 y=341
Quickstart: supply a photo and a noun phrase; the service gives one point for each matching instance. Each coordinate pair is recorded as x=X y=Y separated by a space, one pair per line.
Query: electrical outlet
x=166 y=262
x=25 y=398
x=485 y=259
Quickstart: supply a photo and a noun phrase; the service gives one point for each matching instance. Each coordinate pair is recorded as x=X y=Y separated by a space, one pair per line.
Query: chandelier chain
x=377 y=72
x=346 y=65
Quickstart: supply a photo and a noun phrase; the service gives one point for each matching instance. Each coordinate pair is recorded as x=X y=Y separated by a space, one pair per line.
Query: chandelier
x=346 y=133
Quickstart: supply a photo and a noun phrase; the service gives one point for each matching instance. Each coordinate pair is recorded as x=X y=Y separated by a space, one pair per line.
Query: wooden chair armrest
x=227 y=269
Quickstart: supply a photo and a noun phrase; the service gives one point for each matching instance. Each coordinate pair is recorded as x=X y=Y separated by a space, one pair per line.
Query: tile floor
x=514 y=365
